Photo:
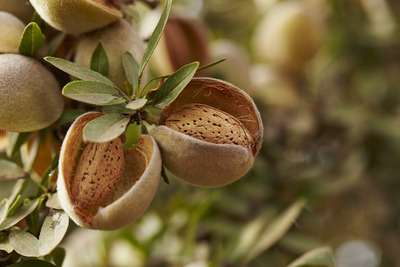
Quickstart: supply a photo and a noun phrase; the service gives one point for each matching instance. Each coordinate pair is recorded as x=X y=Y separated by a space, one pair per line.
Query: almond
x=98 y=172
x=76 y=16
x=208 y=124
x=210 y=134
x=106 y=186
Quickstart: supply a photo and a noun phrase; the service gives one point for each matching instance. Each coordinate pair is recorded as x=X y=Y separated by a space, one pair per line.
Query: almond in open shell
x=105 y=186
x=210 y=134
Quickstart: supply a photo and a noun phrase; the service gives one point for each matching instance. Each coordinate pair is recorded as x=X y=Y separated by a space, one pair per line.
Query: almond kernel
x=98 y=171
x=209 y=124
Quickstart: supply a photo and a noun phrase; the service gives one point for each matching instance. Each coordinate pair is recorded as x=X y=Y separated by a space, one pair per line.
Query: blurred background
x=325 y=75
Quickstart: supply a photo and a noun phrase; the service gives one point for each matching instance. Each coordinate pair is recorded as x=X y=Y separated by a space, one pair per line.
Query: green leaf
x=31 y=41
x=58 y=256
x=11 y=171
x=99 y=61
x=13 y=205
x=55 y=42
x=210 y=65
x=155 y=37
x=4 y=204
x=19 y=214
x=105 y=128
x=259 y=235
x=133 y=131
x=15 y=141
x=33 y=221
x=53 y=230
x=164 y=175
x=32 y=263
x=321 y=256
x=137 y=104
x=119 y=108
x=78 y=71
x=69 y=115
x=275 y=230
x=5 y=244
x=91 y=92
x=172 y=87
x=131 y=67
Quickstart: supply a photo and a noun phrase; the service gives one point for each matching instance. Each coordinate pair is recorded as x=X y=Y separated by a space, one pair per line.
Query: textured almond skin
x=11 y=29
x=76 y=16
x=196 y=160
x=116 y=39
x=98 y=172
x=30 y=94
x=130 y=196
x=208 y=124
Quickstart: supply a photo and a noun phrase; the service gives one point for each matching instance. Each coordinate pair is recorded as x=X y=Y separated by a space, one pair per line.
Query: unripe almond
x=116 y=39
x=104 y=185
x=237 y=65
x=19 y=8
x=11 y=29
x=210 y=134
x=30 y=97
x=288 y=36
x=77 y=16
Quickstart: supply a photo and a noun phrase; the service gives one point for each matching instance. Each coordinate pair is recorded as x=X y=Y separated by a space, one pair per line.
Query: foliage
x=326 y=173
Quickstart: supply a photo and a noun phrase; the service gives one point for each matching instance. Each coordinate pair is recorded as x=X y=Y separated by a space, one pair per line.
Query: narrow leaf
x=78 y=71
x=155 y=37
x=58 y=256
x=99 y=61
x=3 y=209
x=172 y=87
x=56 y=42
x=11 y=171
x=91 y=92
x=15 y=141
x=53 y=230
x=164 y=175
x=105 y=128
x=210 y=65
x=31 y=41
x=131 y=67
x=119 y=108
x=137 y=104
x=33 y=221
x=19 y=214
x=275 y=230
x=32 y=263
x=321 y=256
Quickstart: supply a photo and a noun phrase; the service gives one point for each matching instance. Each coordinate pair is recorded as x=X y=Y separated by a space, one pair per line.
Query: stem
x=124 y=95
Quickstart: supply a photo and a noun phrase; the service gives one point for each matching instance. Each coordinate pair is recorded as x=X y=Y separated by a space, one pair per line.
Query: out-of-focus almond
x=77 y=16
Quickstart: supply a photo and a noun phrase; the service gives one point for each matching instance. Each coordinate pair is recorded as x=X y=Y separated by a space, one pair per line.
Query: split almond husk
x=105 y=186
x=77 y=16
x=210 y=134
